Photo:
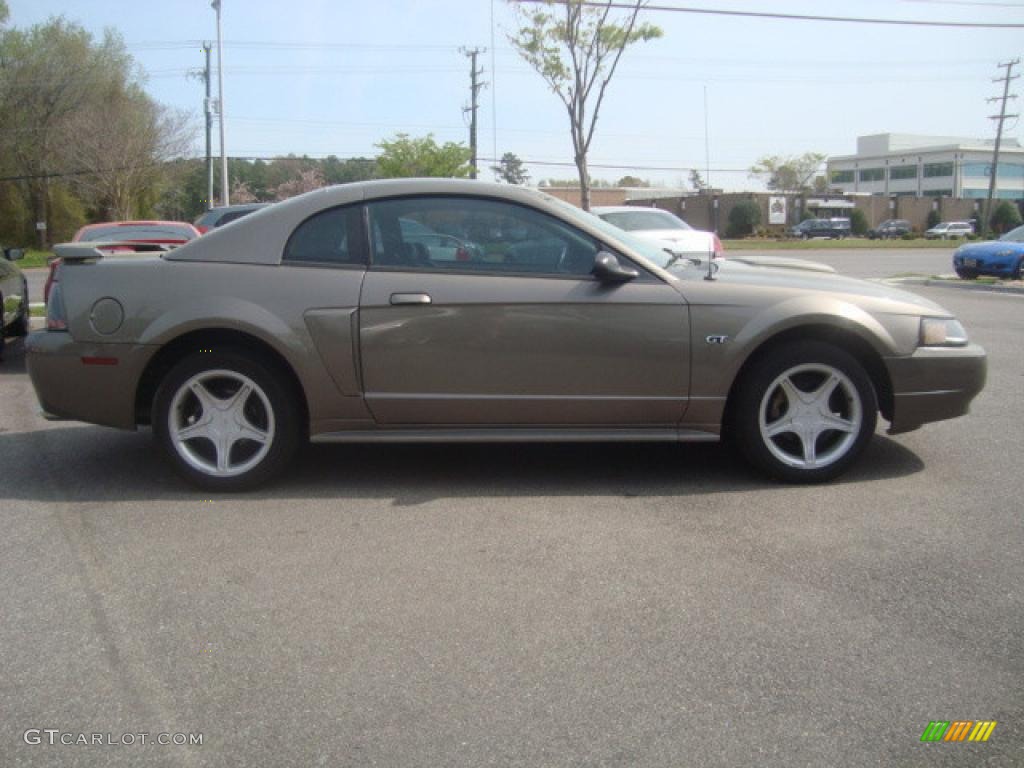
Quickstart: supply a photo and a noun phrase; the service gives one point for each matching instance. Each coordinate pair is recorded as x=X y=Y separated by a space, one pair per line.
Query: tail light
x=56 y=317
x=719 y=250
x=461 y=254
x=51 y=278
x=203 y=229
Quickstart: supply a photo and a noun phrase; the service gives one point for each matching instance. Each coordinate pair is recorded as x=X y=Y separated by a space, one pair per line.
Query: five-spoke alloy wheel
x=226 y=420
x=805 y=412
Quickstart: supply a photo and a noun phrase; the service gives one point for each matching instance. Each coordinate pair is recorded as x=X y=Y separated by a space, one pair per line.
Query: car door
x=521 y=334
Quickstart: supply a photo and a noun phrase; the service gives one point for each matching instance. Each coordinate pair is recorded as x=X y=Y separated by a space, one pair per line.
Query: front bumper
x=88 y=382
x=986 y=264
x=934 y=383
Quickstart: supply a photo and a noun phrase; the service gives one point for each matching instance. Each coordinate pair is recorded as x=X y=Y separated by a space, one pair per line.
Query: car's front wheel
x=226 y=419
x=805 y=412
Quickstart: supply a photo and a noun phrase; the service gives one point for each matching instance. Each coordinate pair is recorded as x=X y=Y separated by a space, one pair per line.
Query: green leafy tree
x=510 y=169
x=858 y=222
x=78 y=128
x=743 y=218
x=794 y=173
x=932 y=219
x=345 y=171
x=404 y=157
x=1005 y=217
x=696 y=180
x=632 y=181
x=576 y=49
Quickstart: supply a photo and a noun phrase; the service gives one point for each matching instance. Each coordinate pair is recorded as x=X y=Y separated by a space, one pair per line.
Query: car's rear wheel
x=966 y=274
x=805 y=412
x=1018 y=272
x=226 y=419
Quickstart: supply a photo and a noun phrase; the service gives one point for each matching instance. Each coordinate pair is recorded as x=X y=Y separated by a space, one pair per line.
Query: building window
x=842 y=177
x=936 y=193
x=872 y=174
x=932 y=170
x=903 y=172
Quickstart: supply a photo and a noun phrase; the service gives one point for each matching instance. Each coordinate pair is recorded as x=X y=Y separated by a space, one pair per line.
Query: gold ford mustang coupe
x=439 y=310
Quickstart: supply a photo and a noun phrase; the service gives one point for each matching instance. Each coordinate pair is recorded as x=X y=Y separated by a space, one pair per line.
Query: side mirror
x=607 y=269
x=14 y=254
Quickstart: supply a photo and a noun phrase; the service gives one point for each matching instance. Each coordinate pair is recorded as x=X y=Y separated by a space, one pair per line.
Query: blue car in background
x=1001 y=258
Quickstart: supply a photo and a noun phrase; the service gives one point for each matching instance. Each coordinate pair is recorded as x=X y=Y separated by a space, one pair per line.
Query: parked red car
x=171 y=233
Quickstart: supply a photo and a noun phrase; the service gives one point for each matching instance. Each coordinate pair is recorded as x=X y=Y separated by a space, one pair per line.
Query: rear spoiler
x=94 y=251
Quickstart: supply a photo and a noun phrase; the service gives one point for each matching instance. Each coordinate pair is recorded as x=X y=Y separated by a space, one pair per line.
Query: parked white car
x=684 y=241
x=663 y=227
x=949 y=229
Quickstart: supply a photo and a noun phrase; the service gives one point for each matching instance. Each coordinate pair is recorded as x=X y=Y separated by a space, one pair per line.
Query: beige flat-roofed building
x=898 y=164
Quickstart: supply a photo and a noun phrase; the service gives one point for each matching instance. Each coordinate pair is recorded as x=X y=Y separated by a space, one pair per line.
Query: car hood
x=991 y=248
x=785 y=280
x=690 y=241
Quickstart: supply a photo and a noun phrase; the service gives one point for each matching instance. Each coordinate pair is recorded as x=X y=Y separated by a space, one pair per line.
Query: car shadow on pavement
x=68 y=463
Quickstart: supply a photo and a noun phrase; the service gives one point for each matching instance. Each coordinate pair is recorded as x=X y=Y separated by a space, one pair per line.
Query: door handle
x=410 y=298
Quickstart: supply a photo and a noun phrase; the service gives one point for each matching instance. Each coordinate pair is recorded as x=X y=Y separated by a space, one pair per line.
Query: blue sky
x=337 y=76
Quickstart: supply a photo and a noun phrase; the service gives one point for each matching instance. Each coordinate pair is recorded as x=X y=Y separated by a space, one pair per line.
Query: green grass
x=35 y=259
x=766 y=244
x=37 y=311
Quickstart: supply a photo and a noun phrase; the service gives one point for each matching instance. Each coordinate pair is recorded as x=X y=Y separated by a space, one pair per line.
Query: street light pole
x=224 y=184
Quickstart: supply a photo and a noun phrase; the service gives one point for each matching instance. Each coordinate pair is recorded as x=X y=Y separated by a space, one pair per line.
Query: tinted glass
x=1014 y=235
x=329 y=237
x=232 y=215
x=147 y=232
x=640 y=220
x=473 y=235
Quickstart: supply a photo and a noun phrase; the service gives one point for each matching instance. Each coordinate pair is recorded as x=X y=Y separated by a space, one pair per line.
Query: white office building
x=928 y=166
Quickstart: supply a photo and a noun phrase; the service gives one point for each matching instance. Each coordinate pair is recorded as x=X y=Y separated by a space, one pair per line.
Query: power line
x=792 y=16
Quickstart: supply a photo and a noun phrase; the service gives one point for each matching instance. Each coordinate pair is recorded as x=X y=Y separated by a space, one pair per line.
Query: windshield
x=1014 y=236
x=632 y=221
x=646 y=248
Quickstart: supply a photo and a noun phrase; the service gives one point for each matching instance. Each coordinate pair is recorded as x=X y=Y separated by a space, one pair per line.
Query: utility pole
x=224 y=182
x=1000 y=119
x=208 y=109
x=474 y=90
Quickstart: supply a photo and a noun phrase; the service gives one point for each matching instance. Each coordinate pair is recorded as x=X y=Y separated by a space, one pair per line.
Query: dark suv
x=218 y=217
x=837 y=228
x=890 y=228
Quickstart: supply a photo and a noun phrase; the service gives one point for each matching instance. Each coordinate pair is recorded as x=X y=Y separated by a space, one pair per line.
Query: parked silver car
x=14 y=320
x=315 y=318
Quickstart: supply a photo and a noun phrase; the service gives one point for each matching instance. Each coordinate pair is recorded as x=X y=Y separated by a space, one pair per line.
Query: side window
x=329 y=237
x=472 y=235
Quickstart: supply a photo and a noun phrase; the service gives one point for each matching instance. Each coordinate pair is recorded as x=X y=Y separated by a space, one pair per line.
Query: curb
x=934 y=283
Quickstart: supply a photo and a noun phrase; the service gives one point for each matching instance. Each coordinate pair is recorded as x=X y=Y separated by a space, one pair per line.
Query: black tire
x=227 y=459
x=1018 y=273
x=21 y=325
x=966 y=274
x=851 y=403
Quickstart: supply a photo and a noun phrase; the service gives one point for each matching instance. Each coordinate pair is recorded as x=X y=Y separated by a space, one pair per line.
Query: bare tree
x=121 y=143
x=576 y=49
x=306 y=181
x=788 y=174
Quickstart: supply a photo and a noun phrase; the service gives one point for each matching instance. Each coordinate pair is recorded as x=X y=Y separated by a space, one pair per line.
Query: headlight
x=942 y=332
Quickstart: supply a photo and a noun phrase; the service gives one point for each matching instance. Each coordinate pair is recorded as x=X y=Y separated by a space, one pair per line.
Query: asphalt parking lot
x=608 y=605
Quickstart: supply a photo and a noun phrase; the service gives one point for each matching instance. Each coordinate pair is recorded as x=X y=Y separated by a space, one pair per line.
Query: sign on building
x=776 y=210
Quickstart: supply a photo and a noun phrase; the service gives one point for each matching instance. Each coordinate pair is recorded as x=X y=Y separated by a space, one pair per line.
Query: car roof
x=259 y=238
x=599 y=209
